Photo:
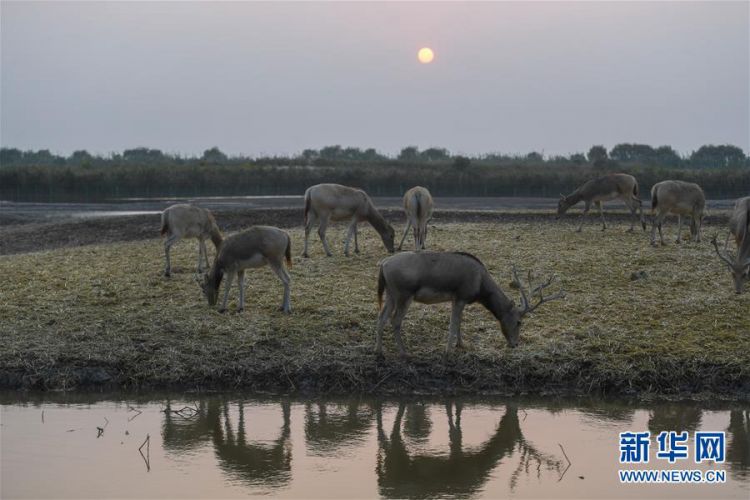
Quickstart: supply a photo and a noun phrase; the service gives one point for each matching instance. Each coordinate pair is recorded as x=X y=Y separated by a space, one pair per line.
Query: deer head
x=740 y=269
x=210 y=290
x=563 y=205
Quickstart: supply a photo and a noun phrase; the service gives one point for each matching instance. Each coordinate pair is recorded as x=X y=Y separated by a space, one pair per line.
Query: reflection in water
x=225 y=447
x=461 y=472
x=329 y=427
x=738 y=449
x=253 y=463
x=672 y=417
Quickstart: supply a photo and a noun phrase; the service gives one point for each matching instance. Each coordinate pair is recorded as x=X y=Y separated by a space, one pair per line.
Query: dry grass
x=104 y=314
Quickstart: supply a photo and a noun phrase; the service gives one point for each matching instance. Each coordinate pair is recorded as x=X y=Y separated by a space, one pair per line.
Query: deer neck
x=376 y=220
x=493 y=298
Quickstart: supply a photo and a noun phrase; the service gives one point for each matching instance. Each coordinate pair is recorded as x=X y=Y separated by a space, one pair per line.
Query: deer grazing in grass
x=418 y=210
x=189 y=221
x=601 y=189
x=255 y=247
x=679 y=198
x=333 y=202
x=739 y=227
x=434 y=277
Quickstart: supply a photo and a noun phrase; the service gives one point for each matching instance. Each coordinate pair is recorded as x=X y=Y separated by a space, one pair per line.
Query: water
x=225 y=446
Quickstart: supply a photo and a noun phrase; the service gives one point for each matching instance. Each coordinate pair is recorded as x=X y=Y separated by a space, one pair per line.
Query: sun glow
x=425 y=55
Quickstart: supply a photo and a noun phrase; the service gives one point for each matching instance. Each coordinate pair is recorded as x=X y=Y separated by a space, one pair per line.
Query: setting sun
x=425 y=55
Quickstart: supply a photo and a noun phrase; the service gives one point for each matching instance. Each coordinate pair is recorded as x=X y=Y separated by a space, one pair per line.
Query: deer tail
x=381 y=288
x=288 y=252
x=307 y=205
x=654 y=200
x=164 y=223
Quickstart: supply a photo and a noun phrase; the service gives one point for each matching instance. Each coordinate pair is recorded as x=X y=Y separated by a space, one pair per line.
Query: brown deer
x=601 y=189
x=334 y=202
x=739 y=227
x=679 y=198
x=418 y=210
x=255 y=247
x=434 y=277
x=188 y=221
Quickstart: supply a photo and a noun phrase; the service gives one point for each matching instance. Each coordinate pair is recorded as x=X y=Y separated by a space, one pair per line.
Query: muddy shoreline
x=23 y=233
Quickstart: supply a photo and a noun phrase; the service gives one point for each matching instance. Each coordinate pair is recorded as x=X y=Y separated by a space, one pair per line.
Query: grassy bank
x=104 y=315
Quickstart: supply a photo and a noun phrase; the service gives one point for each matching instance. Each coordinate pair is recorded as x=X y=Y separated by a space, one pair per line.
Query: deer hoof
x=167 y=274
x=578 y=230
x=240 y=310
x=305 y=256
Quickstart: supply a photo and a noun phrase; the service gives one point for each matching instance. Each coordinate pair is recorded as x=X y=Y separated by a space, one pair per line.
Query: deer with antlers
x=457 y=277
x=739 y=227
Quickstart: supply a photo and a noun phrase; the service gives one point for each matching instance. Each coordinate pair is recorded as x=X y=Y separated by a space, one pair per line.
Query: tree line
x=723 y=171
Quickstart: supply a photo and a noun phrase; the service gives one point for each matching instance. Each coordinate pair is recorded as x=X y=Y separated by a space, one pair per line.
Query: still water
x=77 y=446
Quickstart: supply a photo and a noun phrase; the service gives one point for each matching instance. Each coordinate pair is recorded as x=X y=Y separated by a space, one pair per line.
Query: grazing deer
x=418 y=209
x=601 y=189
x=255 y=247
x=333 y=202
x=433 y=277
x=739 y=227
x=679 y=198
x=188 y=221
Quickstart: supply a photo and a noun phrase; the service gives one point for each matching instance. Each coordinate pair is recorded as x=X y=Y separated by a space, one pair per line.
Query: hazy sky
x=268 y=78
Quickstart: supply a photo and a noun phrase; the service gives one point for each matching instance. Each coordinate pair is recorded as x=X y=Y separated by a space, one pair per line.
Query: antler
x=538 y=290
x=726 y=256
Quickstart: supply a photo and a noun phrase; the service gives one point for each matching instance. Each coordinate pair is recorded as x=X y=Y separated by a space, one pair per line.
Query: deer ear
x=562 y=196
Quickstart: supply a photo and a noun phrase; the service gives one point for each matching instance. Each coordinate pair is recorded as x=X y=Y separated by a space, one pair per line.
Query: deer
x=739 y=227
x=457 y=277
x=334 y=202
x=255 y=247
x=606 y=188
x=679 y=198
x=189 y=221
x=418 y=210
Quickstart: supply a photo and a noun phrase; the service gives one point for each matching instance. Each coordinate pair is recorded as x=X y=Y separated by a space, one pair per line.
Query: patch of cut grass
x=104 y=314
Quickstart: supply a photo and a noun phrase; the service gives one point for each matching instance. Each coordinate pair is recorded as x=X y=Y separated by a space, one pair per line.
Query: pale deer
x=334 y=202
x=254 y=247
x=189 y=221
x=460 y=278
x=418 y=210
x=601 y=189
x=739 y=227
x=679 y=198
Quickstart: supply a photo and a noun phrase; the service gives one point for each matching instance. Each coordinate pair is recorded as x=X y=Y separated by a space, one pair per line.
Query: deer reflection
x=462 y=471
x=738 y=446
x=249 y=461
x=674 y=417
x=328 y=427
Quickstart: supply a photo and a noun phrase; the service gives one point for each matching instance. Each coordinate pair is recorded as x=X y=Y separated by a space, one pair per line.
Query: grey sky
x=269 y=78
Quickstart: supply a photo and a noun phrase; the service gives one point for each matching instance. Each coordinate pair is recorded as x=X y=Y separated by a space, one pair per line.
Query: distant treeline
x=723 y=171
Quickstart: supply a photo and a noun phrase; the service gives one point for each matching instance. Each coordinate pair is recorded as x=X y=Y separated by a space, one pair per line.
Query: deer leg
x=230 y=277
x=171 y=240
x=601 y=214
x=656 y=224
x=241 y=284
x=698 y=222
x=311 y=218
x=201 y=249
x=385 y=313
x=586 y=208
x=205 y=255
x=679 y=228
x=322 y=233
x=406 y=231
x=633 y=207
x=398 y=317
x=349 y=235
x=278 y=268
x=356 y=242
x=454 y=330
